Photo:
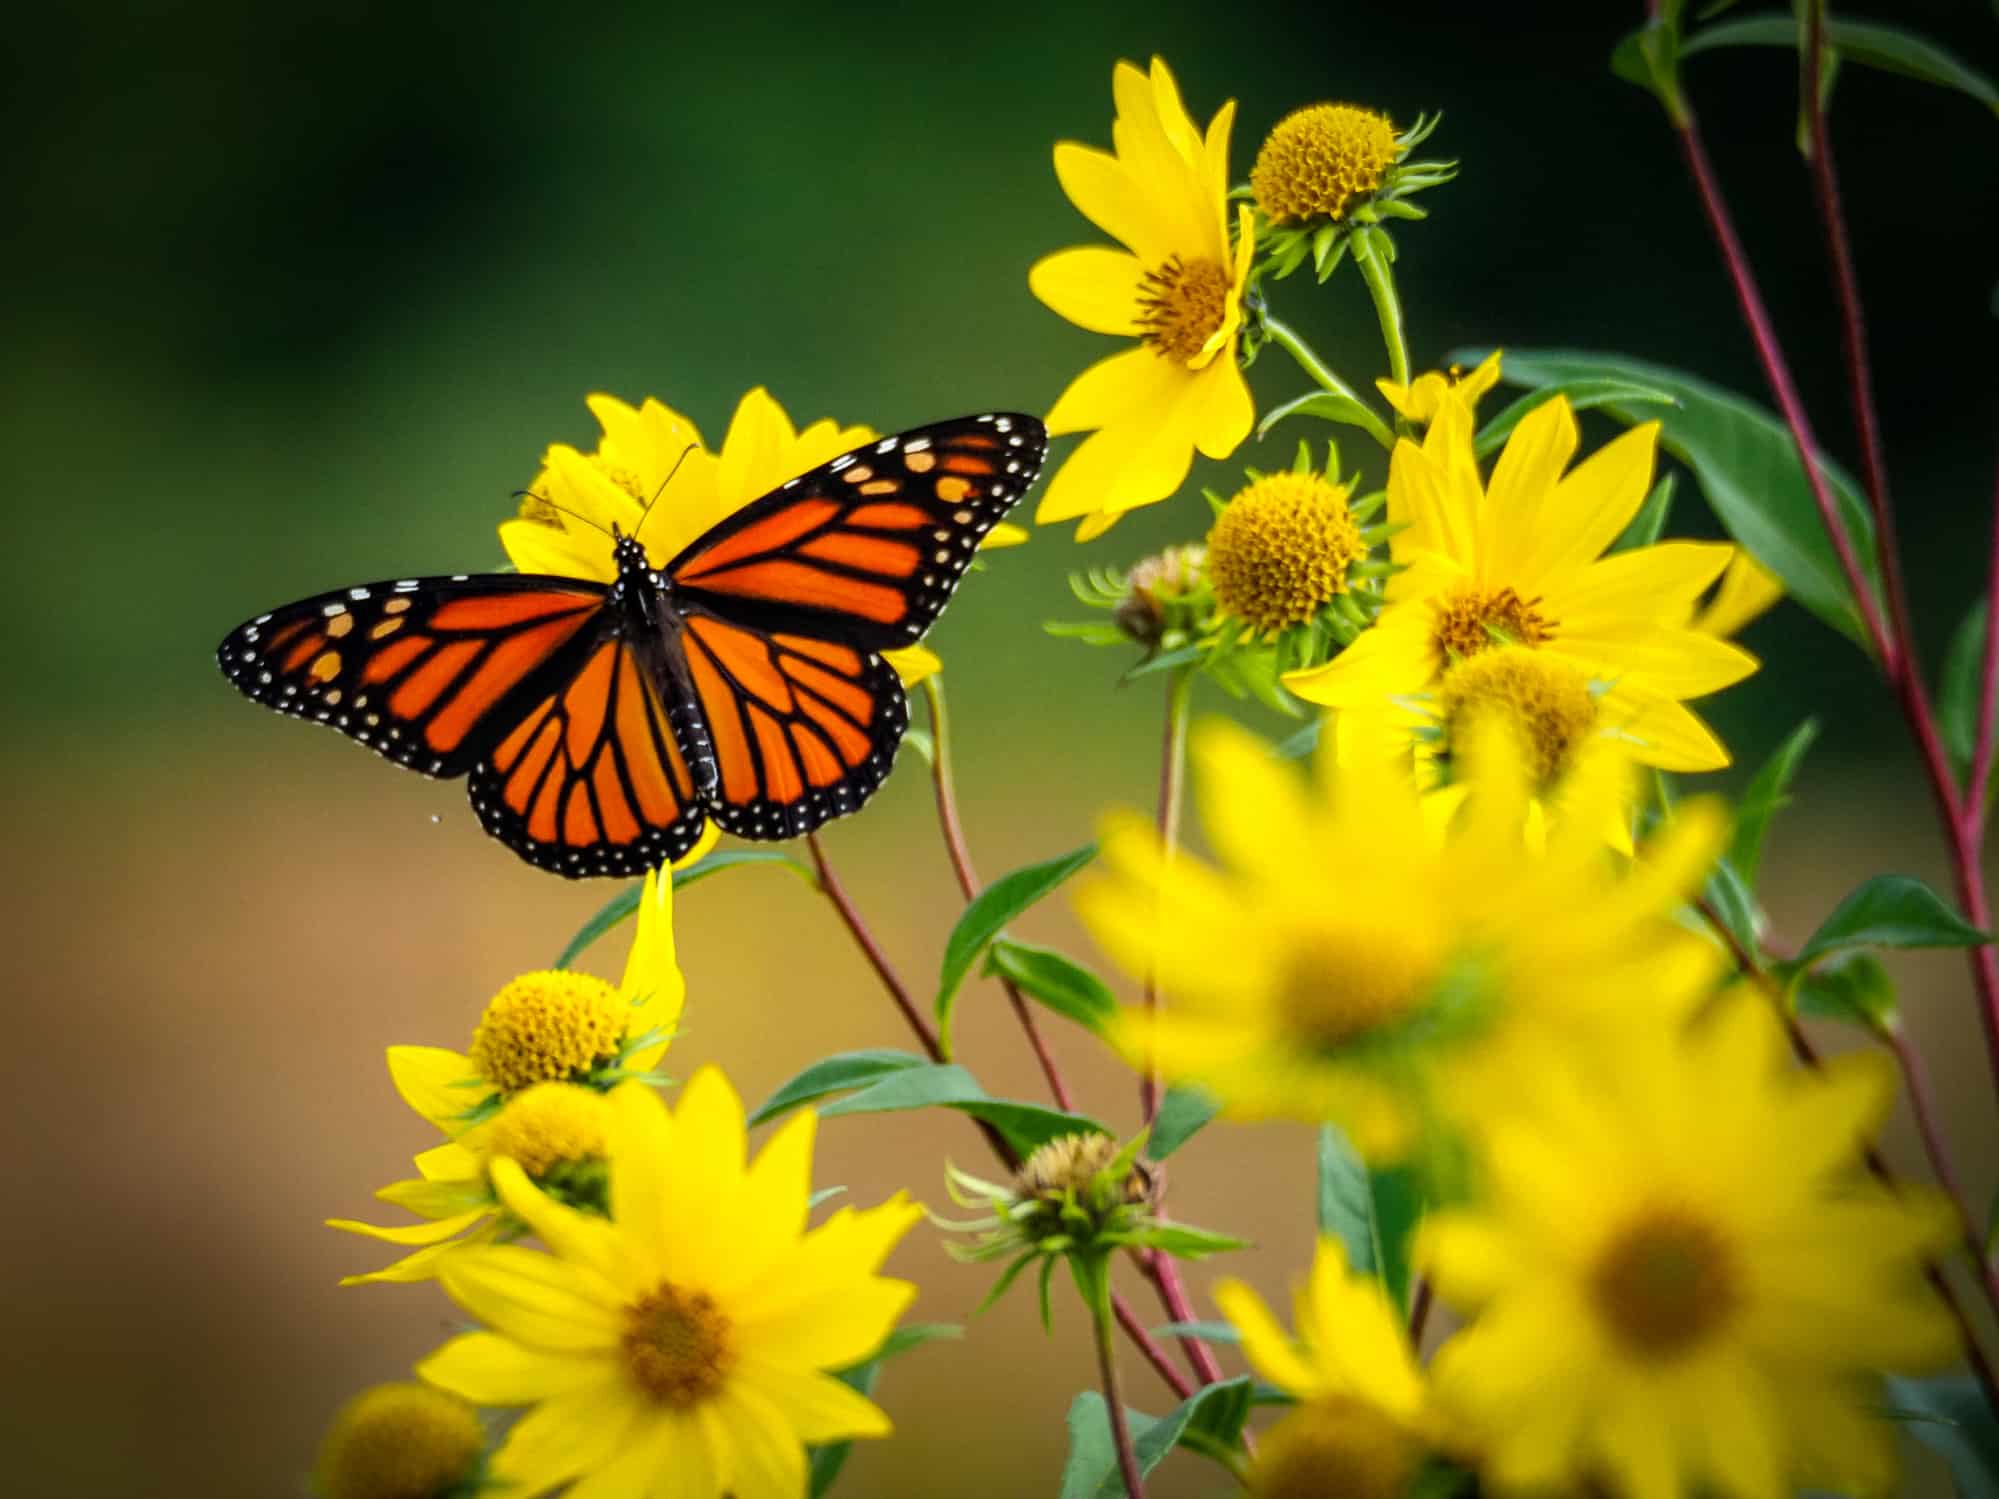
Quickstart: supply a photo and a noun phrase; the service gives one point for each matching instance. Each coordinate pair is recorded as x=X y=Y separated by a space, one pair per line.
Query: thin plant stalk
x=1172 y=778
x=1321 y=374
x=1127 y=1457
x=968 y=879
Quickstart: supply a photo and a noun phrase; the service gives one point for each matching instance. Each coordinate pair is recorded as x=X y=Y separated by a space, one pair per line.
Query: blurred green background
x=300 y=293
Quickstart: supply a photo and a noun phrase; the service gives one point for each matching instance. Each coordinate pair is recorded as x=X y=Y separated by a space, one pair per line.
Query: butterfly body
x=604 y=725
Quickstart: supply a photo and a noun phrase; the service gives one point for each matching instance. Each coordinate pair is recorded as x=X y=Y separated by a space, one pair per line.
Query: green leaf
x=1583 y=395
x=626 y=901
x=1957 y=701
x=1302 y=743
x=1341 y=407
x=1768 y=794
x=1183 y=1113
x=1210 y=1420
x=835 y=1074
x=1883 y=47
x=1205 y=1332
x=1747 y=467
x=1948 y=1414
x=1732 y=901
x=1650 y=521
x=945 y=1085
x=1184 y=1241
x=1059 y=982
x=1649 y=57
x=1853 y=988
x=1891 y=910
x=826 y=1462
x=1374 y=1213
x=987 y=915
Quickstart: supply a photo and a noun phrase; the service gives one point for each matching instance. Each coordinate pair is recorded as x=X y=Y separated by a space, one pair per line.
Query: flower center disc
x=1472 y=622
x=1182 y=305
x=677 y=1345
x=1319 y=159
x=1545 y=702
x=551 y=1124
x=1280 y=550
x=1335 y=1445
x=400 y=1441
x=548 y=1027
x=1665 y=1284
x=1338 y=986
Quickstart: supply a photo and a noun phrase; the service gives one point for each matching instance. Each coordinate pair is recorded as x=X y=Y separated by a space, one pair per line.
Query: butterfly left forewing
x=425 y=671
x=868 y=548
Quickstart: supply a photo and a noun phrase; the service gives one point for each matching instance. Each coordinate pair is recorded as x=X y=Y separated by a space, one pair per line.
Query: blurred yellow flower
x=1518 y=563
x=1358 y=959
x=682 y=1345
x=400 y=1441
x=575 y=493
x=1682 y=1282
x=510 y=1095
x=1177 y=287
x=1362 y=1426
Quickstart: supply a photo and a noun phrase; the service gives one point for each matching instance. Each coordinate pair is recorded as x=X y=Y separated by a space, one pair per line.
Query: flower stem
x=1165 y=1277
x=1149 y=1346
x=1321 y=374
x=1419 y=1313
x=1172 y=766
x=1127 y=1458
x=968 y=879
x=1972 y=805
x=1370 y=253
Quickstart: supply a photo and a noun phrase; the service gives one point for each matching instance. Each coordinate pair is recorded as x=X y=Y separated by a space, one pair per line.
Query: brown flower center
x=1335 y=1445
x=677 y=1345
x=1337 y=985
x=1182 y=305
x=1665 y=1284
x=1542 y=700
x=1473 y=621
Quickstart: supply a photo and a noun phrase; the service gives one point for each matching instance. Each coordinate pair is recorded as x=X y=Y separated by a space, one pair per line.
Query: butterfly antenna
x=529 y=494
x=662 y=486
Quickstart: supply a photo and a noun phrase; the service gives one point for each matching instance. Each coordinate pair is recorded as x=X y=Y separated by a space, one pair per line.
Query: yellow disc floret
x=545 y=1027
x=400 y=1441
x=1335 y=1445
x=1341 y=982
x=1543 y=701
x=1318 y=160
x=550 y=1125
x=676 y=1344
x=1182 y=305
x=1280 y=550
x=1068 y=1163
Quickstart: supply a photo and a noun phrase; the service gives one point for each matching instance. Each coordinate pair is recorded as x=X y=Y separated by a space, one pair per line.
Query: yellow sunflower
x=1177 y=286
x=681 y=1346
x=1363 y=1425
x=1681 y=1280
x=1593 y=646
x=1358 y=959
x=546 y=1028
x=576 y=493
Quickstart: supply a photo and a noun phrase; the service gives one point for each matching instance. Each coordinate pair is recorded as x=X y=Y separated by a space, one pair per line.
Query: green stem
x=1172 y=775
x=1127 y=1456
x=1320 y=373
x=1376 y=271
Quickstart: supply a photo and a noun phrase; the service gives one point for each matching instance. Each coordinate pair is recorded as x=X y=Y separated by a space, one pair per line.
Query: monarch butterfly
x=603 y=726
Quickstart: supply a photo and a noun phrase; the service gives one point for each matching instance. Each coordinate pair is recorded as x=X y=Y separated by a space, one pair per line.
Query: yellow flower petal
x=831 y=1329
x=442 y=1086
x=1265 y=1343
x=816 y=1406
x=582 y=1239
x=430 y=1231
x=533 y=1298
x=1127 y=385
x=913 y=663
x=1591 y=507
x=1105 y=193
x=653 y=982
x=668 y=1455
x=568 y=1435
x=1527 y=472
x=763 y=1457
x=1095 y=288
x=488 y=1369
x=1748 y=589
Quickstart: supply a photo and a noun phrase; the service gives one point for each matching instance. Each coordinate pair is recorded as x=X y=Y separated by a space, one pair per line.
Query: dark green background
x=296 y=296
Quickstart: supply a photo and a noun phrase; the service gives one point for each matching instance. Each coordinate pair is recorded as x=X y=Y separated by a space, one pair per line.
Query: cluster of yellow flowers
x=1467 y=940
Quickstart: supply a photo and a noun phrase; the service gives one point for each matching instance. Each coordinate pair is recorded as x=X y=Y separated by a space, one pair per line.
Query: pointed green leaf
x=626 y=901
x=1852 y=987
x=1183 y=1113
x=1582 y=395
x=1650 y=521
x=1059 y=982
x=1732 y=901
x=1205 y=1332
x=945 y=1085
x=1302 y=743
x=989 y=912
x=1768 y=793
x=1373 y=1213
x=1884 y=47
x=834 y=1074
x=1746 y=465
x=1209 y=1421
x=1891 y=910
x=1950 y=1416
x=1958 y=699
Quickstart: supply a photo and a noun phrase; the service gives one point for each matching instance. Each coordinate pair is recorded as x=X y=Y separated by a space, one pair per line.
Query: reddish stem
x=1972 y=805
x=1177 y=1382
x=1419 y=1312
x=1165 y=1275
x=968 y=879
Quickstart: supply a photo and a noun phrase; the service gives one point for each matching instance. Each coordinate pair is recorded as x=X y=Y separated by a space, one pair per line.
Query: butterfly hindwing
x=590 y=781
x=421 y=670
x=867 y=549
x=801 y=729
